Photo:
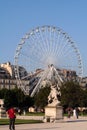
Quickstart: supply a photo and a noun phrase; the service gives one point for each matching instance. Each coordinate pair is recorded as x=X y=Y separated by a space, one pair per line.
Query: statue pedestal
x=2 y=112
x=53 y=113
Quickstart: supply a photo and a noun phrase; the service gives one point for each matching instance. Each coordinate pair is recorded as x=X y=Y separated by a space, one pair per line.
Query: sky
x=17 y=17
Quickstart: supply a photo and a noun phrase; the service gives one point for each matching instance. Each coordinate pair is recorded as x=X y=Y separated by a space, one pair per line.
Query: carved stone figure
x=53 y=96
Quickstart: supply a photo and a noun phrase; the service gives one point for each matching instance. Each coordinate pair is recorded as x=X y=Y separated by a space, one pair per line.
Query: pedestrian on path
x=69 y=111
x=12 y=115
x=75 y=113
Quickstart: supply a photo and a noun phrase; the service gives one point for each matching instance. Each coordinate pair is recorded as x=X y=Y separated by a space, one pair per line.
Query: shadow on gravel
x=77 y=121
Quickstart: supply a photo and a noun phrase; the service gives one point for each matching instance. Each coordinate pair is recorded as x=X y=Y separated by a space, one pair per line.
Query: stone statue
x=54 y=110
x=2 y=109
x=53 y=96
x=1 y=103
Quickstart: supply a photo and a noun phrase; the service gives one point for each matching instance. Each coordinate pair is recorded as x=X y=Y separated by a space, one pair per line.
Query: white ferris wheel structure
x=44 y=46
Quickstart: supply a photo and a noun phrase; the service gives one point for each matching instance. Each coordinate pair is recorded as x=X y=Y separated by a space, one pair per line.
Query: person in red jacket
x=12 y=115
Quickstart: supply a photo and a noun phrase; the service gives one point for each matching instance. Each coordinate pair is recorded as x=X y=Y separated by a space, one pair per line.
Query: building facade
x=8 y=80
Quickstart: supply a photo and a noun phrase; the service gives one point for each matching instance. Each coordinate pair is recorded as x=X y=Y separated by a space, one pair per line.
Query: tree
x=19 y=95
x=8 y=100
x=85 y=97
x=28 y=101
x=3 y=92
x=71 y=94
x=16 y=98
x=41 y=98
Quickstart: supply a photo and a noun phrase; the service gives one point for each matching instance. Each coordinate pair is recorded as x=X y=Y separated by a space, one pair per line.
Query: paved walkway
x=66 y=124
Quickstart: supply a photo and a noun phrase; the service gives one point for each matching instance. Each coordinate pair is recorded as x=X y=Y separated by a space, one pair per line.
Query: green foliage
x=8 y=99
x=85 y=98
x=15 y=98
x=3 y=92
x=41 y=98
x=71 y=94
x=28 y=101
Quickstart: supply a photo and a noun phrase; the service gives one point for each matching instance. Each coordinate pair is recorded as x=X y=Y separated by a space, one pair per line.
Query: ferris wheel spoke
x=36 y=58
x=44 y=36
x=67 y=48
x=31 y=60
x=59 y=41
x=35 y=42
x=66 y=52
x=54 y=45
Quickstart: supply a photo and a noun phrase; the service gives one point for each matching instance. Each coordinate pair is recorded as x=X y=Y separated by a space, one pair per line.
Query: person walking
x=12 y=115
x=75 y=113
x=69 y=113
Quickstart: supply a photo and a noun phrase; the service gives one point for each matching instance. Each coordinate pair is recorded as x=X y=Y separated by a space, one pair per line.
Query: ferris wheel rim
x=39 y=30
x=42 y=28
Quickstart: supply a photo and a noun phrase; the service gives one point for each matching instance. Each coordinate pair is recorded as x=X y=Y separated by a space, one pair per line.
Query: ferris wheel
x=43 y=46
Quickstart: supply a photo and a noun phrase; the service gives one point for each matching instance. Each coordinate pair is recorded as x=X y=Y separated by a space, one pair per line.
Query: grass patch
x=19 y=121
x=34 y=114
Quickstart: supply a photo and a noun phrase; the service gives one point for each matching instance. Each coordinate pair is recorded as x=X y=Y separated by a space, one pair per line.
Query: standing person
x=12 y=115
x=75 y=113
x=69 y=113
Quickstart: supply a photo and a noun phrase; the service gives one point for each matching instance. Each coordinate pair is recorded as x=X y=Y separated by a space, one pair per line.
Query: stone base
x=53 y=113
x=2 y=113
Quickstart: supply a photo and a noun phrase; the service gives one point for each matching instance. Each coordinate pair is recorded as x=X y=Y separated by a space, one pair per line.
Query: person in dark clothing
x=12 y=115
